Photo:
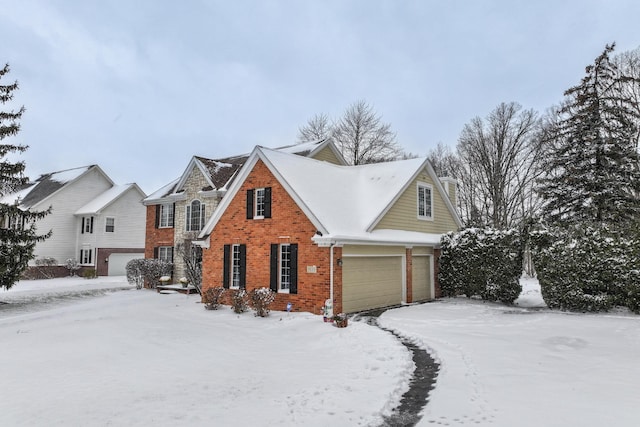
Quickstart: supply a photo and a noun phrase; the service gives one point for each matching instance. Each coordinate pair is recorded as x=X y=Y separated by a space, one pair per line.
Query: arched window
x=195 y=216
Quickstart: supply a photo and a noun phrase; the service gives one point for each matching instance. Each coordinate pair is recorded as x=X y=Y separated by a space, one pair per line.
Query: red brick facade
x=155 y=236
x=288 y=224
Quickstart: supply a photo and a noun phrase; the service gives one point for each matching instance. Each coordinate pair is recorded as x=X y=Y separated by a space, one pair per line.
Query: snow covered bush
x=211 y=298
x=148 y=270
x=89 y=273
x=239 y=301
x=72 y=265
x=46 y=266
x=587 y=269
x=260 y=299
x=481 y=262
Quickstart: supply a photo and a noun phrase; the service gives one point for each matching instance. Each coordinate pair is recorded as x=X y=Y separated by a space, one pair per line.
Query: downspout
x=331 y=272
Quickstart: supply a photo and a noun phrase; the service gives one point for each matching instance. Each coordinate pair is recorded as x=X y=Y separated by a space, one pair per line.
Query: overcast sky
x=140 y=86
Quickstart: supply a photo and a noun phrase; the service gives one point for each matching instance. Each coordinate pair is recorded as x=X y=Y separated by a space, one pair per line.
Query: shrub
x=239 y=301
x=260 y=300
x=211 y=298
x=481 y=262
x=147 y=269
x=72 y=265
x=89 y=273
x=587 y=269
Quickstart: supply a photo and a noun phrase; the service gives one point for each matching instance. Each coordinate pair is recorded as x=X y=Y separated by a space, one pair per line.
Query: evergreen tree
x=18 y=235
x=593 y=166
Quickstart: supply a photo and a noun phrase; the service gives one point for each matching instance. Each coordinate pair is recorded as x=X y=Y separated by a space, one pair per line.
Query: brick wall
x=155 y=237
x=288 y=224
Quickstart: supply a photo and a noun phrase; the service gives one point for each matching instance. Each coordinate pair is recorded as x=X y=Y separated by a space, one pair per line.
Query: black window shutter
x=249 y=204
x=90 y=255
x=171 y=257
x=173 y=216
x=82 y=227
x=273 y=268
x=243 y=266
x=91 y=225
x=202 y=215
x=293 y=288
x=158 y=215
x=225 y=267
x=267 y=202
x=155 y=252
x=81 y=260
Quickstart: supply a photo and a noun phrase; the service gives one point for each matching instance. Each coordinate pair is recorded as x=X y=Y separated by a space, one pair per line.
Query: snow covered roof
x=161 y=192
x=220 y=173
x=105 y=199
x=49 y=183
x=18 y=196
x=344 y=202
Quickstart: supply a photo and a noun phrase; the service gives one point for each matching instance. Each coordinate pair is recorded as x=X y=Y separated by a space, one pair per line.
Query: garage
x=118 y=262
x=421 y=278
x=371 y=282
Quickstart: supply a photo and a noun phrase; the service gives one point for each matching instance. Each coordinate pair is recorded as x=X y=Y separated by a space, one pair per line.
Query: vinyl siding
x=360 y=250
x=62 y=244
x=403 y=215
x=327 y=155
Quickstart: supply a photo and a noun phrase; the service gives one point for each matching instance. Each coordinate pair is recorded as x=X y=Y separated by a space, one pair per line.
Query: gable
x=403 y=214
x=326 y=154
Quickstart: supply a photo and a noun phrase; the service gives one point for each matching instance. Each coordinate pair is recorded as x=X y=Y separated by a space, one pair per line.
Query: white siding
x=62 y=245
x=130 y=219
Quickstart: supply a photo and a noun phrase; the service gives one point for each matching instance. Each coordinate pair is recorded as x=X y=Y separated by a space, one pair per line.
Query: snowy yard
x=138 y=358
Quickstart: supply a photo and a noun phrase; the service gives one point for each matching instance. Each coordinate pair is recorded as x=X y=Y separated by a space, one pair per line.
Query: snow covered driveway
x=508 y=366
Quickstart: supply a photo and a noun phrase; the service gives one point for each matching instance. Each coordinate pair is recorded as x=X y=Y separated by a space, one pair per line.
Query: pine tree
x=18 y=235
x=593 y=166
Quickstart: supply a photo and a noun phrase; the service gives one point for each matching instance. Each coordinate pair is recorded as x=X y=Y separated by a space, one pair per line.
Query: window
x=110 y=225
x=164 y=215
x=235 y=266
x=86 y=256
x=87 y=224
x=425 y=202
x=284 y=268
x=164 y=253
x=195 y=216
x=259 y=203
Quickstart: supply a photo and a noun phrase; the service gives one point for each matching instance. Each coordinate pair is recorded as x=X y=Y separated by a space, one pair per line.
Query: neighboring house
x=92 y=220
x=177 y=212
x=363 y=236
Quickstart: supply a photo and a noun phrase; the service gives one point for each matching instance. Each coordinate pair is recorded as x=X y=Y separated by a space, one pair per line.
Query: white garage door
x=118 y=263
x=371 y=282
x=421 y=278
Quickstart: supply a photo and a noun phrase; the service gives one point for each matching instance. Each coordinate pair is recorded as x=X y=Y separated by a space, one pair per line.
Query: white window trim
x=255 y=202
x=188 y=212
x=235 y=249
x=418 y=187
x=166 y=250
x=106 y=224
x=166 y=209
x=85 y=251
x=280 y=290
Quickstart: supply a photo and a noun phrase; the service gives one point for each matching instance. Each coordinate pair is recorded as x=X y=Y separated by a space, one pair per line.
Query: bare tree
x=628 y=65
x=192 y=258
x=318 y=127
x=444 y=160
x=363 y=137
x=360 y=134
x=500 y=161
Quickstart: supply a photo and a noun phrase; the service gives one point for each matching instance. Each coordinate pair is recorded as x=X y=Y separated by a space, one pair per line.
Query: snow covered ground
x=139 y=358
x=78 y=352
x=521 y=366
